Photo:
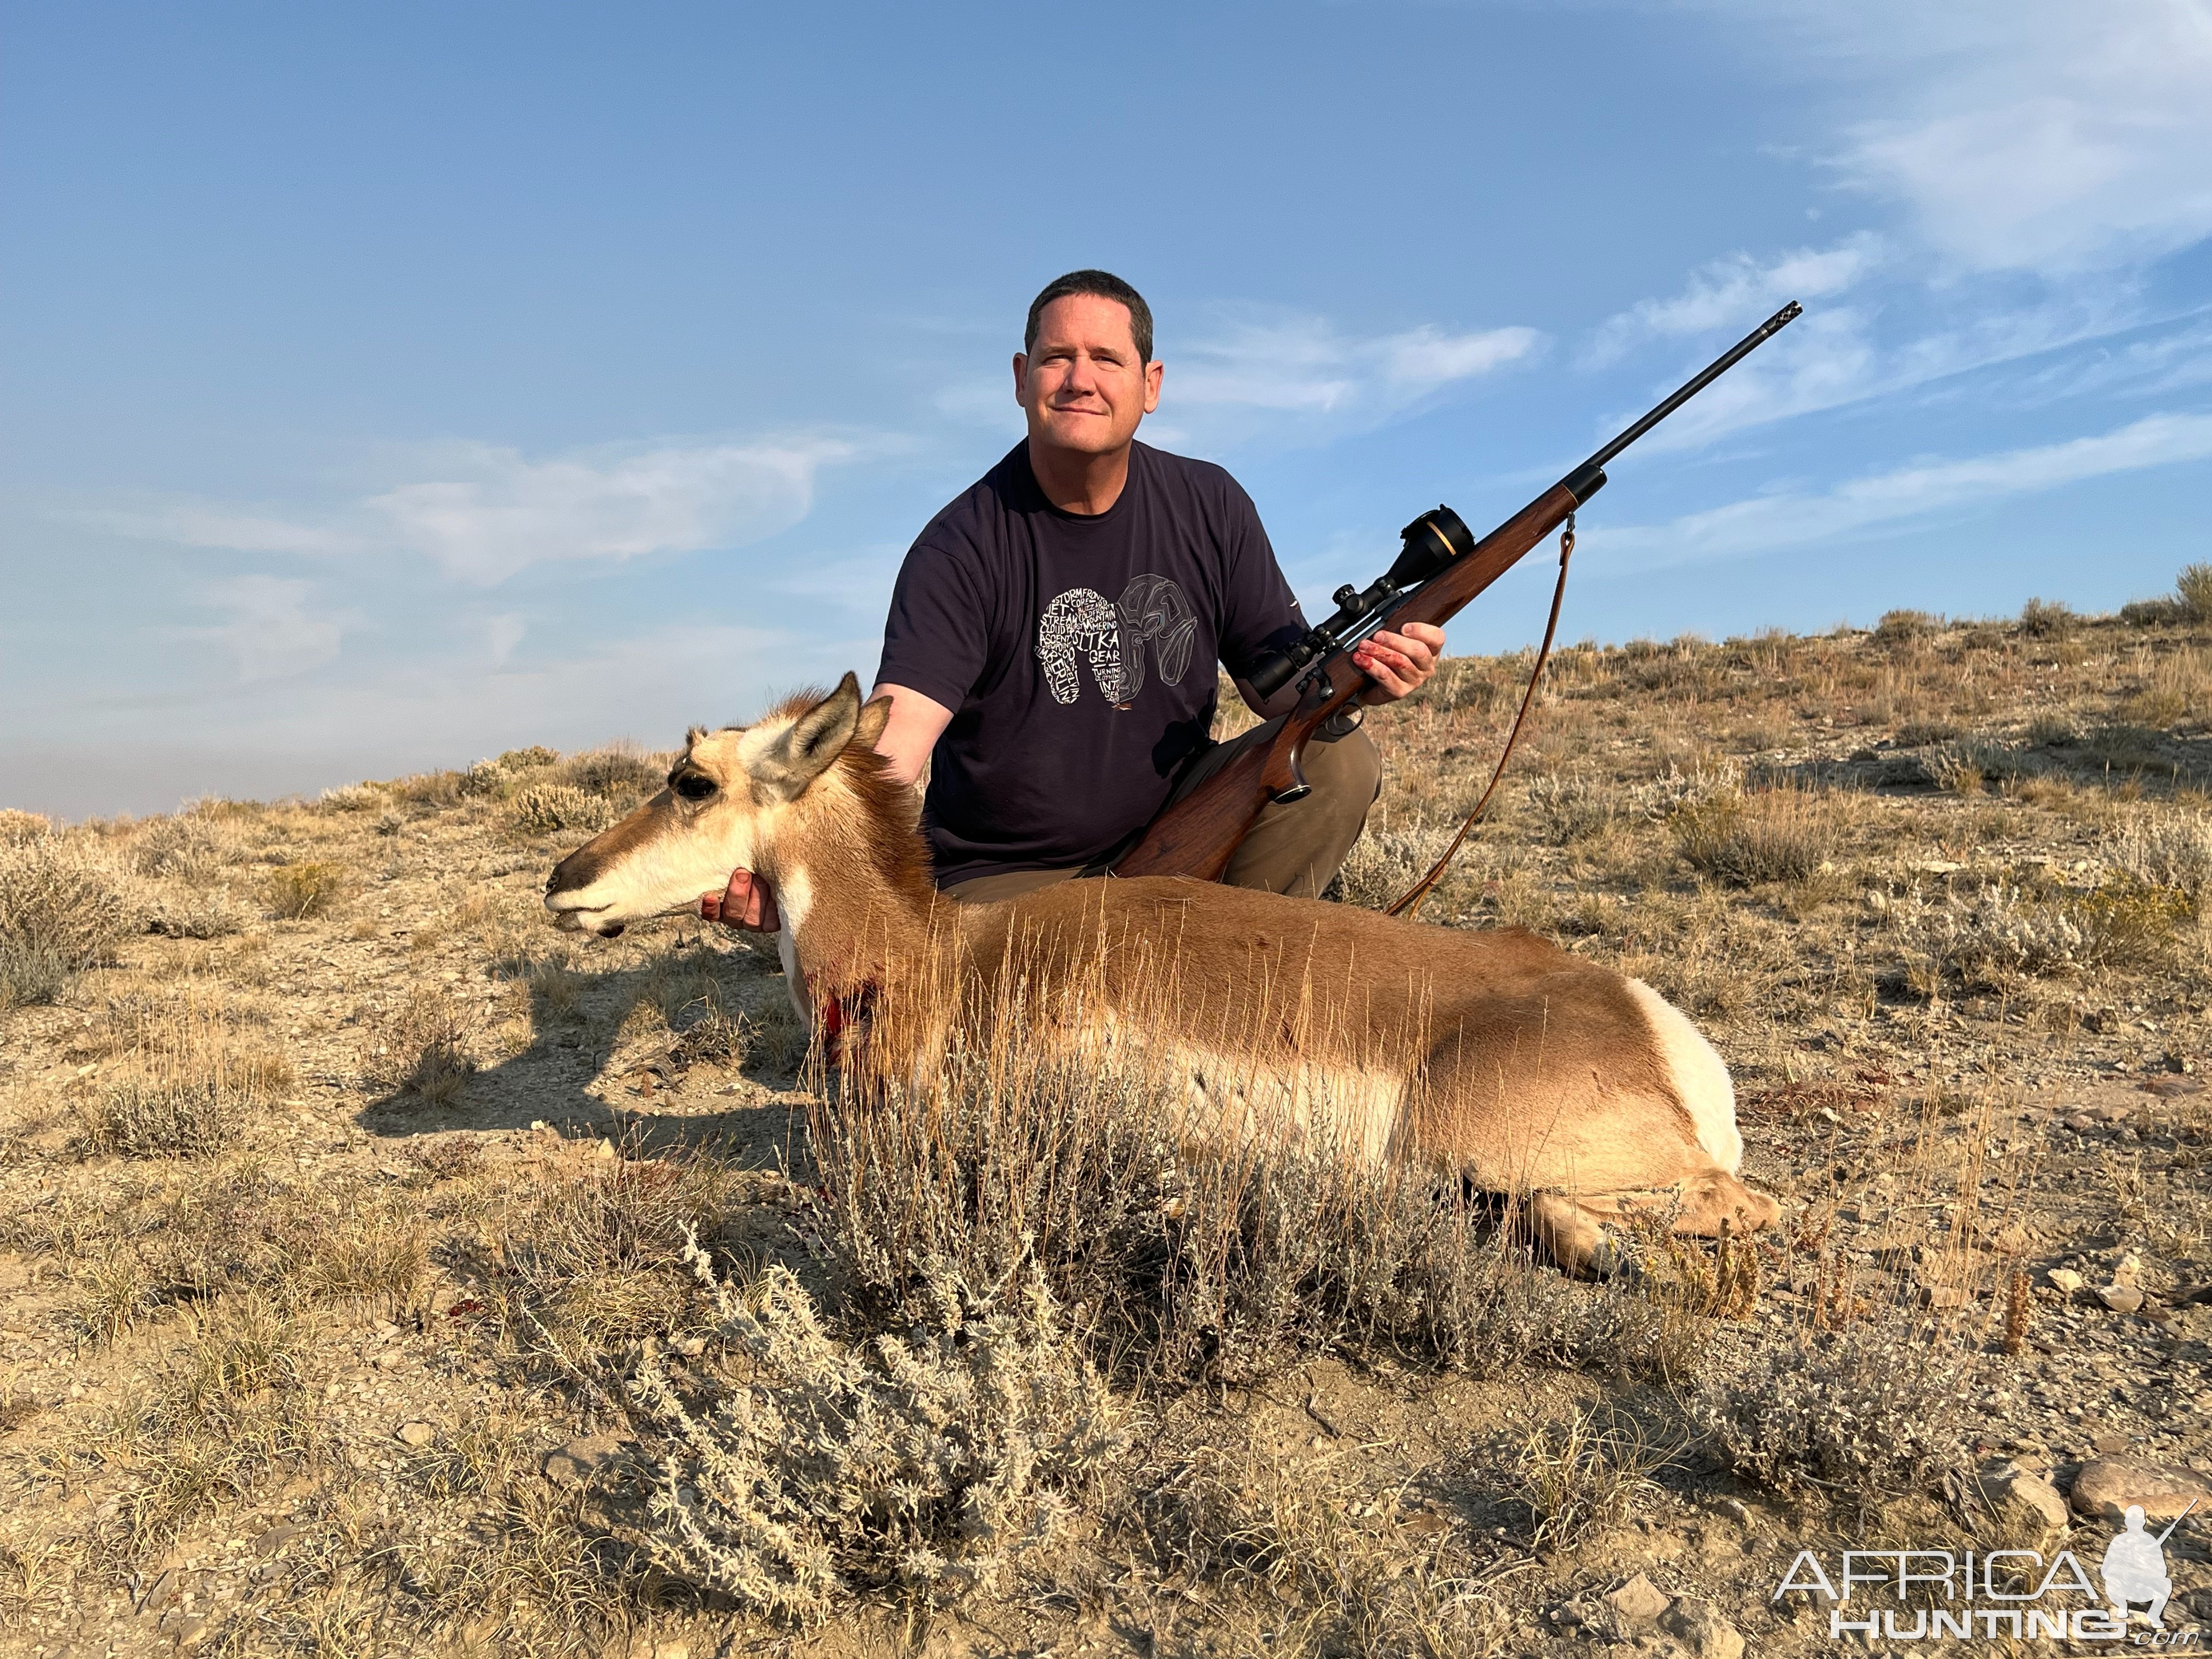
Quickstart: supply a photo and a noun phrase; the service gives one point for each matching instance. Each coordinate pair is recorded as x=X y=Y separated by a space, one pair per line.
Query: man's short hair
x=1107 y=286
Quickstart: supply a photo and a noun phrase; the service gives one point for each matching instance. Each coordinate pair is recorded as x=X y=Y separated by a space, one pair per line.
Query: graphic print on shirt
x=1113 y=637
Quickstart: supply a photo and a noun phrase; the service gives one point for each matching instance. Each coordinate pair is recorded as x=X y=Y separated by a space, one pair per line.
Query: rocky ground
x=338 y=1192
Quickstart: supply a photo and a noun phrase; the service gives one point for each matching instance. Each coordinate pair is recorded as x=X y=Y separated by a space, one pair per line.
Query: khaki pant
x=1292 y=848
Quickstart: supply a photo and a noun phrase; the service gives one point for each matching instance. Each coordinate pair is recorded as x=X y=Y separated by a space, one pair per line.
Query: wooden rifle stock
x=1200 y=834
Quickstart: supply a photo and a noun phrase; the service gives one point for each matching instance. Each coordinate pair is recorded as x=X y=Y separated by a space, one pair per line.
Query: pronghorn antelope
x=1493 y=1054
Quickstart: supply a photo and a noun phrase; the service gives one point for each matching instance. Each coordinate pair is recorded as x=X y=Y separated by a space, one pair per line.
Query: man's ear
x=1021 y=379
x=868 y=730
x=810 y=746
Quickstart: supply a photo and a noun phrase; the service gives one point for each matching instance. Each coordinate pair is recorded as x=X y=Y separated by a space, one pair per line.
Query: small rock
x=275 y=1540
x=1638 y=1601
x=2121 y=1299
x=166 y=1588
x=2107 y=1487
x=2129 y=1272
x=1943 y=1295
x=2110 y=1445
x=1735 y=1508
x=578 y=1460
x=606 y=1149
x=418 y=1435
x=2066 y=1280
x=2024 y=1503
x=1702 y=1631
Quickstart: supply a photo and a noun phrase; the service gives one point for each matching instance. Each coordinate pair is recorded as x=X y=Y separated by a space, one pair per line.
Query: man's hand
x=1398 y=663
x=747 y=903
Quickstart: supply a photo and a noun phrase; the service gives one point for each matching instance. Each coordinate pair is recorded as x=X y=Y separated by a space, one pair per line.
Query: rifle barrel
x=1690 y=388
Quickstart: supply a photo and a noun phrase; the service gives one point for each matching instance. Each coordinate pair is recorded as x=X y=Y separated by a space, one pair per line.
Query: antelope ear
x=811 y=745
x=873 y=717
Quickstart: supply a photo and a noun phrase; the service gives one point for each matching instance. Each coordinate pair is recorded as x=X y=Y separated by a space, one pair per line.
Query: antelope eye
x=692 y=786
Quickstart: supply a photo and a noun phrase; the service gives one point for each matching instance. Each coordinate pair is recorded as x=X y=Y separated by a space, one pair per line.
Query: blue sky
x=381 y=386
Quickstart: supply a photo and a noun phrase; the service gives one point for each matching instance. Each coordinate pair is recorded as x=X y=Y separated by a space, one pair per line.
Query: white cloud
x=1766 y=523
x=1737 y=292
x=491 y=511
x=2052 y=136
x=498 y=512
x=272 y=634
x=1303 y=366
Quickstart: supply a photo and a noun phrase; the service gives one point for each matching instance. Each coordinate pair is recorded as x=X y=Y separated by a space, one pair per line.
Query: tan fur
x=1492 y=1053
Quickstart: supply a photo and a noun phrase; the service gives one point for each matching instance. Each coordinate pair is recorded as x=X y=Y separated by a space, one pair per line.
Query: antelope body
x=1494 y=1054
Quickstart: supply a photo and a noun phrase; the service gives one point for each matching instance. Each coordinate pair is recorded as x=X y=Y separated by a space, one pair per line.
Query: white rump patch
x=1700 y=1079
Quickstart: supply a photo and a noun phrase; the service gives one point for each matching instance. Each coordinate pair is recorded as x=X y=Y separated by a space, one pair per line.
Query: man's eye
x=693 y=785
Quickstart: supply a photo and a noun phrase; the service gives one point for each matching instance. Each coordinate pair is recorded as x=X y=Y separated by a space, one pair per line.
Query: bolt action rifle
x=1440 y=567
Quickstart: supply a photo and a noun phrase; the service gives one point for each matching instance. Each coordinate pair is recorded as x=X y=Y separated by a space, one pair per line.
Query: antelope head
x=728 y=802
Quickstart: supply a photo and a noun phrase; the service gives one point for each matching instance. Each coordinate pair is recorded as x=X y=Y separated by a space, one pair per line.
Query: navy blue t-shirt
x=1077 y=653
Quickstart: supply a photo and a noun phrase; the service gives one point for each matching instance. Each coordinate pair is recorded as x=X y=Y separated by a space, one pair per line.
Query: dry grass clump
x=189 y=846
x=189 y=1085
x=2047 y=619
x=1177 y=1262
x=184 y=1117
x=1906 y=627
x=2193 y=588
x=2171 y=850
x=620 y=772
x=231 y=1405
x=17 y=828
x=1999 y=932
x=1581 y=1475
x=1868 y=1414
x=598 y=1258
x=425 y=1048
x=2180 y=688
x=499 y=777
x=1780 y=834
x=546 y=809
x=1572 y=807
x=299 y=891
x=352 y=798
x=803 y=1467
x=1388 y=858
x=196 y=913
x=64 y=907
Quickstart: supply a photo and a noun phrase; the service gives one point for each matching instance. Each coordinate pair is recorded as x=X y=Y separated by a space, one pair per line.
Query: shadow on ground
x=678 y=1092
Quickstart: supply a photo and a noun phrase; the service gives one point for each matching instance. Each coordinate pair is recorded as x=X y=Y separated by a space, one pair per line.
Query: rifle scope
x=1434 y=539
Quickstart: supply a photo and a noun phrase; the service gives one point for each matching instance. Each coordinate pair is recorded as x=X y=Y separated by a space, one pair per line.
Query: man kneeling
x=1052 y=638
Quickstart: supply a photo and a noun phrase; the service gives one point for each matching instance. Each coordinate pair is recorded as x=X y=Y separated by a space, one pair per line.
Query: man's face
x=1082 y=385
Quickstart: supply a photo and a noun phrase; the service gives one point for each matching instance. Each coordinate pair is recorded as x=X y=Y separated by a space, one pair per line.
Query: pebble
x=1702 y=1631
x=2121 y=1299
x=418 y=1435
x=1639 y=1601
x=2066 y=1280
